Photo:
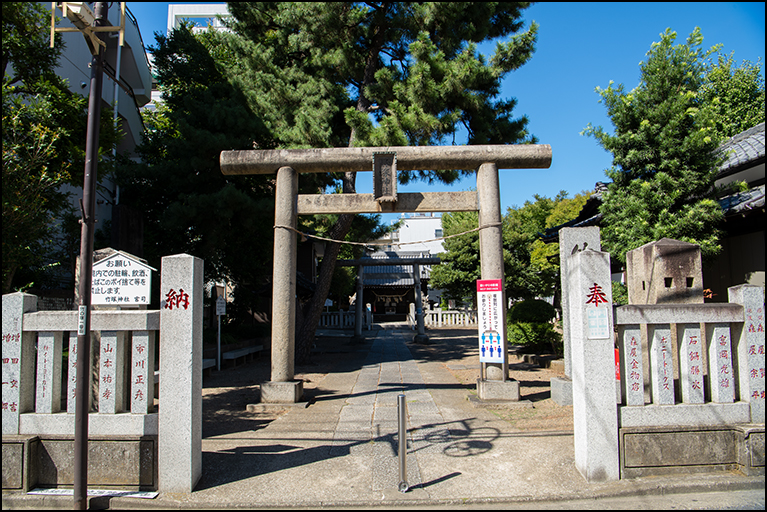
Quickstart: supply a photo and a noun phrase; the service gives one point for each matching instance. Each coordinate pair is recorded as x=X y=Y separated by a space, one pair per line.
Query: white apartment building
x=127 y=85
x=419 y=231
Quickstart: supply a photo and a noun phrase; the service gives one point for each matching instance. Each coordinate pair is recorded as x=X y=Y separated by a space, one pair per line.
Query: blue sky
x=580 y=46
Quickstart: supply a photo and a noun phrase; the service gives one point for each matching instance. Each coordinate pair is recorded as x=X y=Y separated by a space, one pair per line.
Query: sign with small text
x=490 y=320
x=121 y=280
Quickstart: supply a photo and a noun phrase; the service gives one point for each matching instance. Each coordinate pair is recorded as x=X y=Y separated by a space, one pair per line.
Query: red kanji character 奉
x=596 y=295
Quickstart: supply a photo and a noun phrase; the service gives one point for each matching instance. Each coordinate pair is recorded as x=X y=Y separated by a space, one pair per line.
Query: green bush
x=620 y=294
x=528 y=324
x=538 y=311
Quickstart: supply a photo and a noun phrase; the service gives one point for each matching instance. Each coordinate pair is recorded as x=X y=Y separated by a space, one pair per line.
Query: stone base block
x=658 y=451
x=421 y=338
x=282 y=392
x=20 y=454
x=562 y=391
x=275 y=407
x=689 y=415
x=126 y=462
x=499 y=404
x=498 y=390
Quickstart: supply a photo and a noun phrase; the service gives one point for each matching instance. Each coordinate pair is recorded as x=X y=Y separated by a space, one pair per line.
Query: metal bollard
x=403 y=486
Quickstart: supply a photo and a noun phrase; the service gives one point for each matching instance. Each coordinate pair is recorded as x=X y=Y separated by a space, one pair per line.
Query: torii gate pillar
x=283 y=388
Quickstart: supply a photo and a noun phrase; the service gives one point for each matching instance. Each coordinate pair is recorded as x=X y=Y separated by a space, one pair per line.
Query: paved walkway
x=341 y=451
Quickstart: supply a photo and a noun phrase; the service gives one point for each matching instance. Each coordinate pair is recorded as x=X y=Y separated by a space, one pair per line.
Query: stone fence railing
x=716 y=366
x=339 y=320
x=137 y=446
x=126 y=351
x=440 y=318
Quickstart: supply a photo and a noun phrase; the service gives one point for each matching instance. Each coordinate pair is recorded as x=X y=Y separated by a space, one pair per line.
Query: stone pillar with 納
x=179 y=453
x=749 y=347
x=595 y=415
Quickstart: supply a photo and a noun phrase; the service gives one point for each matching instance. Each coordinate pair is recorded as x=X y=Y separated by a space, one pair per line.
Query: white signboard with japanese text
x=121 y=280
x=492 y=332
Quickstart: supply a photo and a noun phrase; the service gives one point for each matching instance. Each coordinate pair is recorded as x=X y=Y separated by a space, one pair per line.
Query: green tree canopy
x=663 y=146
x=44 y=127
x=459 y=270
x=187 y=203
x=531 y=267
x=736 y=93
x=397 y=74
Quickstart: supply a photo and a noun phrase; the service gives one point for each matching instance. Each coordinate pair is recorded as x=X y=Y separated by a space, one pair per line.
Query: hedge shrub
x=529 y=324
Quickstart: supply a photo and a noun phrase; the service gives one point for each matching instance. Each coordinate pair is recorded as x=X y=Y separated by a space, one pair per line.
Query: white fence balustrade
x=440 y=318
x=338 y=320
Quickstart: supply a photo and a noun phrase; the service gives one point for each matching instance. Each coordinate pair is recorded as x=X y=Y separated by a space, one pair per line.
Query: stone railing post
x=180 y=414
x=748 y=347
x=50 y=345
x=358 y=305
x=595 y=413
x=18 y=360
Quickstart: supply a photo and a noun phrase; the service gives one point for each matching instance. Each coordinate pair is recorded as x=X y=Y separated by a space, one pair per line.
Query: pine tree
x=396 y=73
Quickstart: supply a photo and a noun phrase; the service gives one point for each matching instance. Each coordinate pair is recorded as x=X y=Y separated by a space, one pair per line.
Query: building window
x=438 y=233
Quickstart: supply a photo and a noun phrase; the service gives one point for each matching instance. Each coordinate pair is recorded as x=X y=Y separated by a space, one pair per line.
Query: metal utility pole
x=88 y=221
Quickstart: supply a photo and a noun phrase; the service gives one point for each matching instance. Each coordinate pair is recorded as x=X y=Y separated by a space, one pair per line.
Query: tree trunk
x=313 y=311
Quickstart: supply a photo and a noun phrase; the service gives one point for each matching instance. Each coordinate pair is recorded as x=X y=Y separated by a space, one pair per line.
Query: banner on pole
x=490 y=319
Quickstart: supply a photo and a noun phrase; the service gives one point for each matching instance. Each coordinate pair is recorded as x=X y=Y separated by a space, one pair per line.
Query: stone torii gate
x=384 y=162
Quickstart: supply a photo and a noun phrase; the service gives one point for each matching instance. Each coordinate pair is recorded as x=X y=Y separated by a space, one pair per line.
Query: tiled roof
x=743 y=149
x=743 y=203
x=394 y=275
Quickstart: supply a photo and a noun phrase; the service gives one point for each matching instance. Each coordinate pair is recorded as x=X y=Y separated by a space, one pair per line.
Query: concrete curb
x=623 y=489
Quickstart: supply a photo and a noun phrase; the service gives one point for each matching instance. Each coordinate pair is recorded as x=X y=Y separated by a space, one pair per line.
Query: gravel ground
x=227 y=393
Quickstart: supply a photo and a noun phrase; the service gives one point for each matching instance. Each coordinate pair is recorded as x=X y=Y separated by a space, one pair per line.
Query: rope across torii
x=384 y=162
